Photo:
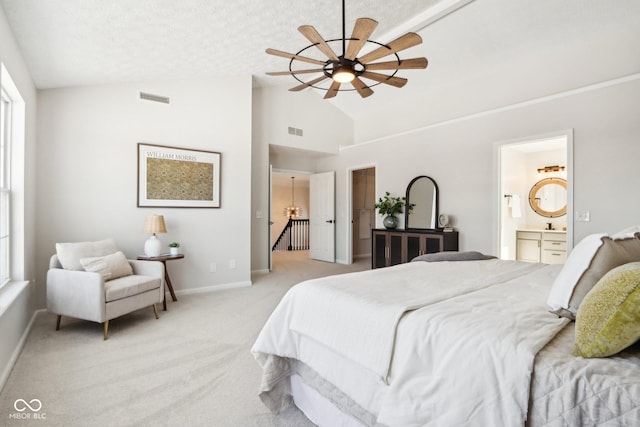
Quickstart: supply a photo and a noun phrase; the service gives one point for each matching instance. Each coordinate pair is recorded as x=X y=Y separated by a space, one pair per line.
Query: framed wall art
x=172 y=177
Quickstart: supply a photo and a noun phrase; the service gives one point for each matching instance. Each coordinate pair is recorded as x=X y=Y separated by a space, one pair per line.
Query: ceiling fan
x=348 y=67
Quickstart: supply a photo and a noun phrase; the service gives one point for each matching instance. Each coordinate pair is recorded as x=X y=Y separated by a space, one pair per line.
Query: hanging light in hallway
x=292 y=211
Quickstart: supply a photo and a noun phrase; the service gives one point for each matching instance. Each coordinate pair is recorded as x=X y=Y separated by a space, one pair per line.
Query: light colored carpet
x=192 y=367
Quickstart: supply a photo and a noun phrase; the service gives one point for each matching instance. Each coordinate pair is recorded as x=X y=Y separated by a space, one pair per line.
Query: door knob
x=330 y=221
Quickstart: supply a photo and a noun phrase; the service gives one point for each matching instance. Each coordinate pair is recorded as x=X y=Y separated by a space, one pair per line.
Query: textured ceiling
x=86 y=42
x=484 y=54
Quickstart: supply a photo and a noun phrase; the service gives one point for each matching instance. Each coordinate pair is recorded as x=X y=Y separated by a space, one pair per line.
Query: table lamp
x=153 y=224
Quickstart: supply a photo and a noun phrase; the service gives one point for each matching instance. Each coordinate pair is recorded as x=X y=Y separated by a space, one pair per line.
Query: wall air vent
x=295 y=131
x=155 y=98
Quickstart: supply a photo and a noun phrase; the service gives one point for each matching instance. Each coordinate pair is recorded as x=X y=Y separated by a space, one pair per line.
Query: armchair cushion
x=109 y=266
x=70 y=254
x=125 y=287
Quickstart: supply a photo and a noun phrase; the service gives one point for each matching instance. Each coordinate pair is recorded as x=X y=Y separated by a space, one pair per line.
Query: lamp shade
x=154 y=224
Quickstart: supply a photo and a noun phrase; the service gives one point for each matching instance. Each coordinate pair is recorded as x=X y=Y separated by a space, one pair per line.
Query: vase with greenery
x=388 y=207
x=173 y=248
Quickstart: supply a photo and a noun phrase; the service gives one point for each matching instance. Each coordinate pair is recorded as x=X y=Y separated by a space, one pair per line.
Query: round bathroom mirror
x=548 y=197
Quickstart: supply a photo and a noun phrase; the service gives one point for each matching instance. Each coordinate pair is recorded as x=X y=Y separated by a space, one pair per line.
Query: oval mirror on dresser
x=548 y=197
x=422 y=192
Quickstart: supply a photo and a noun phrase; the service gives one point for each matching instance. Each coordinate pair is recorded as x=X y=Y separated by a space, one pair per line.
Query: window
x=5 y=187
x=12 y=181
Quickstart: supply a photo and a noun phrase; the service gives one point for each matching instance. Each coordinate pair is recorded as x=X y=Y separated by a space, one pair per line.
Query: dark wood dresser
x=391 y=247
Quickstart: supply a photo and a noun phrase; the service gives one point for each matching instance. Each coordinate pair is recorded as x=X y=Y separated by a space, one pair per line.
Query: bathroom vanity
x=547 y=246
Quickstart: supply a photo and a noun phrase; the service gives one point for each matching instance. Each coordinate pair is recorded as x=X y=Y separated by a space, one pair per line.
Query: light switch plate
x=583 y=216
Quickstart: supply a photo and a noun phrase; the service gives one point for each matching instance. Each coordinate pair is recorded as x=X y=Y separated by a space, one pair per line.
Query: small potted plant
x=390 y=206
x=173 y=248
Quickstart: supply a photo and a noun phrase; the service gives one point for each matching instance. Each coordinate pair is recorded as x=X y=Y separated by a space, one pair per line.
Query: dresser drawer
x=558 y=237
x=553 y=257
x=554 y=245
x=530 y=235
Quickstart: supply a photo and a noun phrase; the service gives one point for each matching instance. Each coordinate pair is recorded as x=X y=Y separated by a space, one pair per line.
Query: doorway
x=522 y=166
x=288 y=189
x=363 y=213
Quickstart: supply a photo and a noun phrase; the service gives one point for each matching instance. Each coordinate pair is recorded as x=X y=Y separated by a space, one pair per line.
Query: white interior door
x=322 y=225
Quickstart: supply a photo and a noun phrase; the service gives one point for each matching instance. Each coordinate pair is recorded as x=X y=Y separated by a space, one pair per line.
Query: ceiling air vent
x=155 y=98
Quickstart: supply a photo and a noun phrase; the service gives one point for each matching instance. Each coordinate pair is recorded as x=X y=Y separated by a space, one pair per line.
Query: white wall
x=514 y=183
x=549 y=59
x=87 y=164
x=17 y=308
x=459 y=155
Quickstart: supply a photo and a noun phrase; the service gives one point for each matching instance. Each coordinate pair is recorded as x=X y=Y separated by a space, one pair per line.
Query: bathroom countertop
x=537 y=230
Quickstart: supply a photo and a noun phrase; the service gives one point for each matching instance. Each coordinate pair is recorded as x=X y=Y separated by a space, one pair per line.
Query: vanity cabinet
x=549 y=247
x=391 y=247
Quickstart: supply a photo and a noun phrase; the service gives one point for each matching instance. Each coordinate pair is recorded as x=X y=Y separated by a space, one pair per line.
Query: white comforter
x=462 y=355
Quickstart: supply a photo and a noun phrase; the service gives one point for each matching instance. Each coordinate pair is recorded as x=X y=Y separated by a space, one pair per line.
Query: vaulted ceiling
x=515 y=49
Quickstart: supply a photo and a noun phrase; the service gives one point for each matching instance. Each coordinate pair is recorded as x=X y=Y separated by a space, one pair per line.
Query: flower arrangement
x=174 y=245
x=388 y=205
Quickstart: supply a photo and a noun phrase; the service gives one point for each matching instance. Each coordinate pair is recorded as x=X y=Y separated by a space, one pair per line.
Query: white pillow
x=69 y=254
x=589 y=261
x=627 y=233
x=576 y=264
x=109 y=266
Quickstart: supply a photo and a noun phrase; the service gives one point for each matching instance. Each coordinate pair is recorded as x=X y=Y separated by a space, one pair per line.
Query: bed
x=440 y=343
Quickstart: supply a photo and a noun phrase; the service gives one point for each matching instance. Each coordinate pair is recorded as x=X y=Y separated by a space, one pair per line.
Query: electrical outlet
x=232 y=264
x=212 y=267
x=583 y=216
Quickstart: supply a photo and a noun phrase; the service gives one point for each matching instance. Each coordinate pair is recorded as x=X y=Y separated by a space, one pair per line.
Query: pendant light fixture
x=292 y=211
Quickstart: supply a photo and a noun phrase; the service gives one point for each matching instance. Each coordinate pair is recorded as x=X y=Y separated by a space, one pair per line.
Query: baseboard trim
x=214 y=288
x=265 y=271
x=19 y=347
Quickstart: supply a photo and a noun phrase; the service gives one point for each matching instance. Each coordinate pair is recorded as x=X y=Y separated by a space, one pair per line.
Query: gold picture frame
x=173 y=177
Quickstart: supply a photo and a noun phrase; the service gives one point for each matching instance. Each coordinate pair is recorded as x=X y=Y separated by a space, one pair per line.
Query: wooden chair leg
x=106 y=330
x=155 y=311
x=58 y=319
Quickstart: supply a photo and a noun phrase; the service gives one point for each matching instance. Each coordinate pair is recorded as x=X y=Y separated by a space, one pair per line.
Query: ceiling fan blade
x=314 y=37
x=361 y=32
x=333 y=90
x=392 y=81
x=401 y=43
x=362 y=88
x=293 y=56
x=404 y=64
x=307 y=84
x=287 y=73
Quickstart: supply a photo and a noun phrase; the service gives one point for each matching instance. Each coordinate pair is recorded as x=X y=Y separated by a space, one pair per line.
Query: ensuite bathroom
x=534 y=201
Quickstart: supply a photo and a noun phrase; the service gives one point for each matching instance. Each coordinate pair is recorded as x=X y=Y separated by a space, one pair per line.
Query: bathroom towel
x=514 y=204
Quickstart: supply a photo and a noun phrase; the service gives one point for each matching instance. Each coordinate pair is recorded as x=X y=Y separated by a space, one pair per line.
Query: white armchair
x=90 y=295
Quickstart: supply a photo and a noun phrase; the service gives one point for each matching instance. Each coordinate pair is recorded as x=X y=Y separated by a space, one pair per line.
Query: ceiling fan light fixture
x=343 y=75
x=348 y=67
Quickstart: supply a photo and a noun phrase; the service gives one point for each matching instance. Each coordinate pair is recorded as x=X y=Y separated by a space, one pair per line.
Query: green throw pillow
x=608 y=320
